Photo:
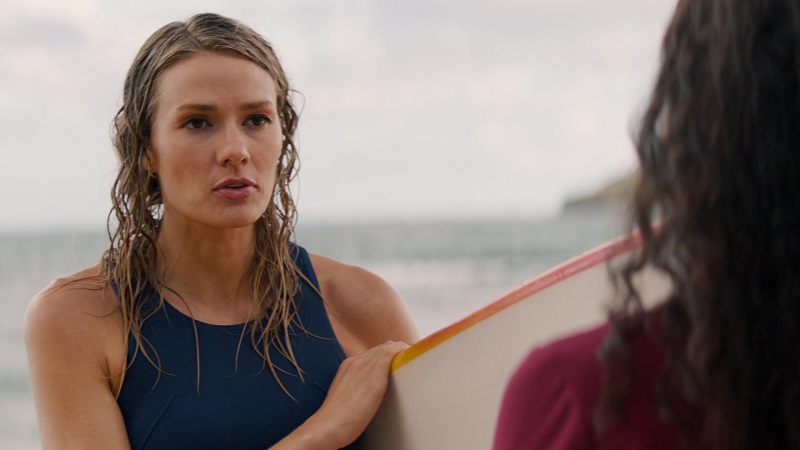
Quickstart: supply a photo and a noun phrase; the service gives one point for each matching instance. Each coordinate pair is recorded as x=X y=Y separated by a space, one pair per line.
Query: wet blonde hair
x=130 y=262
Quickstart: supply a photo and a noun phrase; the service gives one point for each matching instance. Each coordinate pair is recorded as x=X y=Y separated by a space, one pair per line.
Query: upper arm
x=69 y=338
x=364 y=309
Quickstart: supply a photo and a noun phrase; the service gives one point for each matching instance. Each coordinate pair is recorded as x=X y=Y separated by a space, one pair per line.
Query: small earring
x=154 y=175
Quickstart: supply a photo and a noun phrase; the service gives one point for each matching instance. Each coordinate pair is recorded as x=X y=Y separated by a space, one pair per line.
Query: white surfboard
x=445 y=391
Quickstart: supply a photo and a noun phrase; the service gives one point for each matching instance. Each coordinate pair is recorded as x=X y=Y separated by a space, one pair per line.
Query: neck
x=206 y=269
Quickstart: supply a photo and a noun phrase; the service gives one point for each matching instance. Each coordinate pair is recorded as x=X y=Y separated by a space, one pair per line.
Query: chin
x=243 y=223
x=241 y=216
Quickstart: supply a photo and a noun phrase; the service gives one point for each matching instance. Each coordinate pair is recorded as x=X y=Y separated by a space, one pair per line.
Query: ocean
x=443 y=270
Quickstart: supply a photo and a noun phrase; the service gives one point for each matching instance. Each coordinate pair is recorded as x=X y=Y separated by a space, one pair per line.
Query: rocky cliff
x=615 y=194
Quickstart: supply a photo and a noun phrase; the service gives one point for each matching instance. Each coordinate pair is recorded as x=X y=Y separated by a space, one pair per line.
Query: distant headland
x=615 y=195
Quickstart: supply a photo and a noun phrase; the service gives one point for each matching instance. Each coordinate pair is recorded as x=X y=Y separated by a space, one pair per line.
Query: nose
x=233 y=149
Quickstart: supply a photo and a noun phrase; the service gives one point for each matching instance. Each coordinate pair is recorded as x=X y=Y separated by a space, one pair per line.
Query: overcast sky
x=412 y=110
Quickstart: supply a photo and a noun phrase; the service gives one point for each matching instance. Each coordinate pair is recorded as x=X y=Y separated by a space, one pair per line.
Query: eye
x=257 y=120
x=195 y=123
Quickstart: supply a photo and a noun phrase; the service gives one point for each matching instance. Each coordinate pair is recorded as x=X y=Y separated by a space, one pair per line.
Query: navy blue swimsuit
x=237 y=406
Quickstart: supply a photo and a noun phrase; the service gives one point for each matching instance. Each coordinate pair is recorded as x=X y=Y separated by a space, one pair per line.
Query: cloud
x=36 y=32
x=411 y=108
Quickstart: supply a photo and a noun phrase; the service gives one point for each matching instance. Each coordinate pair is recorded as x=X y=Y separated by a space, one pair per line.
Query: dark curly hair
x=719 y=149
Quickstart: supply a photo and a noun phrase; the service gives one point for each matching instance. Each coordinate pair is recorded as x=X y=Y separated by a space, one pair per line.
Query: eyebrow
x=256 y=105
x=243 y=107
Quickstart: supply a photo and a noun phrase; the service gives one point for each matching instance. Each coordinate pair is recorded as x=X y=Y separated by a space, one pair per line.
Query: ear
x=149 y=161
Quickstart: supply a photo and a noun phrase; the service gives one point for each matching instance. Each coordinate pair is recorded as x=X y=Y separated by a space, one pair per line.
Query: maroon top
x=550 y=400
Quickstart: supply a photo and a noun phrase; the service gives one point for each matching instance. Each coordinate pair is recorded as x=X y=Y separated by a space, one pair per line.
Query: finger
x=393 y=347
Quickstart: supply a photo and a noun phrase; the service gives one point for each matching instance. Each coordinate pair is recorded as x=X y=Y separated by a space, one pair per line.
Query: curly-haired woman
x=717 y=363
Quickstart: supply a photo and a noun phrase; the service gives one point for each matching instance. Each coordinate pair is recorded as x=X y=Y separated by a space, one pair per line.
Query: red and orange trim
x=559 y=273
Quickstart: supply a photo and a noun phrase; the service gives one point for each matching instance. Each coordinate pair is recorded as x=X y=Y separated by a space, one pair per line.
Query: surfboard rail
x=578 y=264
x=445 y=390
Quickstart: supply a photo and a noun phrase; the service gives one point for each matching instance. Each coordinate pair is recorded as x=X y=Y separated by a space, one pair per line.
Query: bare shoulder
x=75 y=312
x=365 y=310
x=83 y=294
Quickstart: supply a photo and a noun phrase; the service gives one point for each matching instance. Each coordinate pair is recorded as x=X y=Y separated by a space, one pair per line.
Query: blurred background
x=448 y=145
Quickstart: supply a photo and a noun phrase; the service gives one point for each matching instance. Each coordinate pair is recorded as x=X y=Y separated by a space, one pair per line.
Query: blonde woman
x=203 y=325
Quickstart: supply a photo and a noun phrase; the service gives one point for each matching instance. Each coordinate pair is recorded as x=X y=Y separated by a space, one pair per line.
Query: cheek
x=272 y=153
x=270 y=166
x=178 y=172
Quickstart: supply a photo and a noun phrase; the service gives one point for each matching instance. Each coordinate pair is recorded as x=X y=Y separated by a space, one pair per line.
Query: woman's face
x=216 y=140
